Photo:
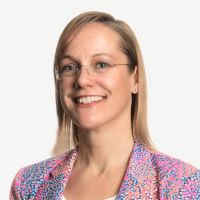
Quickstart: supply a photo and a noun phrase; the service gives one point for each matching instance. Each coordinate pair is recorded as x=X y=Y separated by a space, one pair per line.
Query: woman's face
x=97 y=100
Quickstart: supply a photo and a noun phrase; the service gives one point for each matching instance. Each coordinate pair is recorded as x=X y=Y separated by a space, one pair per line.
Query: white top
x=111 y=198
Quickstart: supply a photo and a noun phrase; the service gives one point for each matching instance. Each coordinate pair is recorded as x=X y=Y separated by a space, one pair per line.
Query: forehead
x=94 y=38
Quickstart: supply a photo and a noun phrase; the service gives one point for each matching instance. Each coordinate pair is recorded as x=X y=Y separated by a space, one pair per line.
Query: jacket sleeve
x=15 y=189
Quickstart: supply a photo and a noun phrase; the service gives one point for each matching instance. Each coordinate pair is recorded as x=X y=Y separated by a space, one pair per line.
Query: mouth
x=89 y=99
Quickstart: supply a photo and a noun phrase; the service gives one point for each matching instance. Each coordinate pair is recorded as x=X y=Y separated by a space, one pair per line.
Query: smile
x=89 y=99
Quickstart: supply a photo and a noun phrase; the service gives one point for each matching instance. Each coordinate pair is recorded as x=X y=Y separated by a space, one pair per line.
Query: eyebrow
x=68 y=56
x=102 y=54
x=94 y=55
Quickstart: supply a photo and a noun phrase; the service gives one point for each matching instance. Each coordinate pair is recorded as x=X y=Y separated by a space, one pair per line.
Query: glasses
x=72 y=70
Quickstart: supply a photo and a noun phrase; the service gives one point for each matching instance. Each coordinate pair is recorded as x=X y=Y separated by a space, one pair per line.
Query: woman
x=101 y=106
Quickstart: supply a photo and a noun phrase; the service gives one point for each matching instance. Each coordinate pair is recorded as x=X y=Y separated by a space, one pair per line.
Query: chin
x=86 y=122
x=88 y=125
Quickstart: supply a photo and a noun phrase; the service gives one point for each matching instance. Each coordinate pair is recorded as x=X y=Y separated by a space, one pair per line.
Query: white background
x=169 y=35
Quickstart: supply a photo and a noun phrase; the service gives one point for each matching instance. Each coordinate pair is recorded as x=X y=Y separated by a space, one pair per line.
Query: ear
x=134 y=81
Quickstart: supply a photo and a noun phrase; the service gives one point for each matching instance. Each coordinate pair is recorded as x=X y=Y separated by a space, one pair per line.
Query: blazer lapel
x=54 y=186
x=140 y=177
x=139 y=180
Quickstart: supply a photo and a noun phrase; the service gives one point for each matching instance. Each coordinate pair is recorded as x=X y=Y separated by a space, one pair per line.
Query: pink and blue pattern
x=150 y=175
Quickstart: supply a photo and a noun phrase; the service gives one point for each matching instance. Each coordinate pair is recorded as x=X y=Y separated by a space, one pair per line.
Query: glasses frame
x=58 y=70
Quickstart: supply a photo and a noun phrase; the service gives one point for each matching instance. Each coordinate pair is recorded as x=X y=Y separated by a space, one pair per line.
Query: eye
x=102 y=65
x=69 y=68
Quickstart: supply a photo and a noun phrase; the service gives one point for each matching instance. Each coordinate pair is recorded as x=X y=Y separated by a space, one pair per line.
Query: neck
x=103 y=150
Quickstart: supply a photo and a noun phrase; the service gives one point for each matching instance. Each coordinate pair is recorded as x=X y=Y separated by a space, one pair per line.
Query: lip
x=90 y=95
x=77 y=97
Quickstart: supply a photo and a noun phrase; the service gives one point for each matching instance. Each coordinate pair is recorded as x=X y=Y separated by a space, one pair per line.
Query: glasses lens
x=68 y=70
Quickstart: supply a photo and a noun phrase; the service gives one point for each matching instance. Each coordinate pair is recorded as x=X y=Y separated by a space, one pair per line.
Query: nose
x=84 y=78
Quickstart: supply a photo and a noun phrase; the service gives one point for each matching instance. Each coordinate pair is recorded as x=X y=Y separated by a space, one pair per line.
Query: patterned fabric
x=149 y=175
x=111 y=198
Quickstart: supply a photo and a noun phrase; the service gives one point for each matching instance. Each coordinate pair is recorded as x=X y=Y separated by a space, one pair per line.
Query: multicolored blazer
x=149 y=175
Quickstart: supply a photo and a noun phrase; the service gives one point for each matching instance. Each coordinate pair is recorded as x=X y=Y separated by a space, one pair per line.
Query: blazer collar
x=137 y=172
x=139 y=176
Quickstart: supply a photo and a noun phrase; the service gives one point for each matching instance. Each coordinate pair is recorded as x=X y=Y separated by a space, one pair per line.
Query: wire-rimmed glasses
x=72 y=70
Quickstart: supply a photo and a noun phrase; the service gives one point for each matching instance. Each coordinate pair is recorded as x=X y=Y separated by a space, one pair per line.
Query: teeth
x=89 y=99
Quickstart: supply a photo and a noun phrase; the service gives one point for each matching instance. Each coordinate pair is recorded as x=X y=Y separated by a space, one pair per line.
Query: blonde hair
x=67 y=136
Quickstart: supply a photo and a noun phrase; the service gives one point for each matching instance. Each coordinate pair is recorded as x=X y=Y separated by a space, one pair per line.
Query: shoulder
x=32 y=176
x=40 y=169
x=169 y=165
x=176 y=177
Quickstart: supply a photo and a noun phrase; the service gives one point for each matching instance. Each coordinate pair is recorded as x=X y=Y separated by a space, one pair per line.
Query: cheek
x=65 y=93
x=118 y=84
x=66 y=88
